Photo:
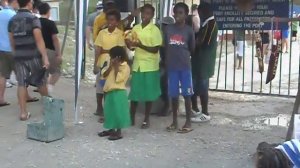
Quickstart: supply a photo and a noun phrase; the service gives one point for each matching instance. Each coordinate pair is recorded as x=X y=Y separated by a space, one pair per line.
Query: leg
x=164 y=95
x=43 y=90
x=99 y=111
x=195 y=103
x=175 y=105
x=240 y=62
x=204 y=103
x=2 y=89
x=187 y=101
x=146 y=122
x=22 y=98
x=133 y=107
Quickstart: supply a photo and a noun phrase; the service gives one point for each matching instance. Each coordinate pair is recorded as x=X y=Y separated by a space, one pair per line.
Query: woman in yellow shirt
x=116 y=108
x=145 y=82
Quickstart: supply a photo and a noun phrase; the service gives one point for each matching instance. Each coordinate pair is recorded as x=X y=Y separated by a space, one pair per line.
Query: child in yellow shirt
x=116 y=108
x=106 y=39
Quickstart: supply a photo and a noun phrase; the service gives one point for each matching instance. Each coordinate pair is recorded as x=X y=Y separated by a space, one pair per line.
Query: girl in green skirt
x=116 y=108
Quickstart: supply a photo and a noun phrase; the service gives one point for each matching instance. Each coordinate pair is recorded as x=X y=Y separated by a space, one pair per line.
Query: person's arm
x=153 y=50
x=57 y=48
x=192 y=43
x=196 y=23
x=156 y=42
x=37 y=33
x=106 y=73
x=12 y=42
x=96 y=28
x=88 y=37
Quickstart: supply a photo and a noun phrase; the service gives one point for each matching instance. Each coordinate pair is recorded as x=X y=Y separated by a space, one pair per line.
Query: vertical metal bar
x=220 y=58
x=252 y=67
x=280 y=69
x=244 y=59
x=226 y=59
x=291 y=45
x=234 y=64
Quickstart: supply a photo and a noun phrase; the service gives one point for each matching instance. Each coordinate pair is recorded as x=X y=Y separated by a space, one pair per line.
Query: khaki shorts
x=54 y=68
x=6 y=64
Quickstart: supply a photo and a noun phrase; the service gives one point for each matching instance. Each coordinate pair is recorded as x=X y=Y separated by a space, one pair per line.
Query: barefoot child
x=107 y=39
x=116 y=108
x=180 y=44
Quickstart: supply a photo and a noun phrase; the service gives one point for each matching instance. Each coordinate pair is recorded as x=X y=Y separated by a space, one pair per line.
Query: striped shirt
x=22 y=26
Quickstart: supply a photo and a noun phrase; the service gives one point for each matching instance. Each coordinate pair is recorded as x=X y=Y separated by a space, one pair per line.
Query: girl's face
x=180 y=15
x=147 y=15
x=112 y=21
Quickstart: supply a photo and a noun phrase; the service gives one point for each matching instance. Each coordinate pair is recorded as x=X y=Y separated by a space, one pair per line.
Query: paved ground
x=228 y=141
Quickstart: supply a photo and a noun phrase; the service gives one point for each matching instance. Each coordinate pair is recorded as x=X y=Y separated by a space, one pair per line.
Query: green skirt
x=116 y=110
x=145 y=86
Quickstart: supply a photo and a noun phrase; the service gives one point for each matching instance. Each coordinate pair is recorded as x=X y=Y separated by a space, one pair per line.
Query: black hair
x=148 y=6
x=205 y=8
x=114 y=12
x=109 y=6
x=36 y=3
x=267 y=156
x=183 y=6
x=23 y=3
x=118 y=52
x=10 y=1
x=44 y=8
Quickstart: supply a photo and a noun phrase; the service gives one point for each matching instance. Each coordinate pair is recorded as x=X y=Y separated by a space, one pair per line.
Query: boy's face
x=180 y=15
x=112 y=21
x=147 y=15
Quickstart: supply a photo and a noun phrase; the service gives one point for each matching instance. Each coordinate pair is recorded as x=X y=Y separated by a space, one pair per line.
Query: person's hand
x=46 y=62
x=96 y=70
x=136 y=43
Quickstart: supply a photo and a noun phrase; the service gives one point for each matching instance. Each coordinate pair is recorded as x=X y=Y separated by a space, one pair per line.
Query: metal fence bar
x=252 y=68
x=234 y=64
x=253 y=93
x=226 y=59
x=244 y=60
x=220 y=58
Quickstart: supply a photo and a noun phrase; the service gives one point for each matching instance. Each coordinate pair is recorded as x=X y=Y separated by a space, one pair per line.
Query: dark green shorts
x=6 y=64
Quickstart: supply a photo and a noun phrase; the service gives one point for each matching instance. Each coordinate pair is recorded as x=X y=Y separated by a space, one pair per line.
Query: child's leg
x=133 y=107
x=99 y=97
x=204 y=103
x=195 y=103
x=175 y=105
x=146 y=122
x=187 y=101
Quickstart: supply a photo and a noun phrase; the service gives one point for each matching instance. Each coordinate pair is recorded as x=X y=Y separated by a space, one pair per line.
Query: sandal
x=4 y=104
x=25 y=118
x=115 y=137
x=145 y=125
x=184 y=130
x=32 y=100
x=171 y=128
x=104 y=133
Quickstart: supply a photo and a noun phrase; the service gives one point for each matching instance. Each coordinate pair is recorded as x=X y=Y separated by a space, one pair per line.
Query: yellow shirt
x=106 y=41
x=114 y=82
x=149 y=36
x=100 y=23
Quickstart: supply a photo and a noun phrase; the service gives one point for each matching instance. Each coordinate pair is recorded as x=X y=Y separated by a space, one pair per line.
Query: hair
x=183 y=6
x=10 y=1
x=267 y=156
x=119 y=52
x=44 y=8
x=23 y=3
x=148 y=6
x=114 y=12
x=36 y=4
x=206 y=8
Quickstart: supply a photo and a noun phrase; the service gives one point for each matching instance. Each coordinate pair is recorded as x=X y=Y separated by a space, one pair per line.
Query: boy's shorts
x=180 y=80
x=201 y=86
x=6 y=64
x=54 y=68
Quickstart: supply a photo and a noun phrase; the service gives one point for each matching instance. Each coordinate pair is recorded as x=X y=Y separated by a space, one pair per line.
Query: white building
x=54 y=9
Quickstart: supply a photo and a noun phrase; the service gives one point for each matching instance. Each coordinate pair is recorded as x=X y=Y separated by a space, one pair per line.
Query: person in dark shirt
x=50 y=32
x=203 y=61
x=29 y=52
